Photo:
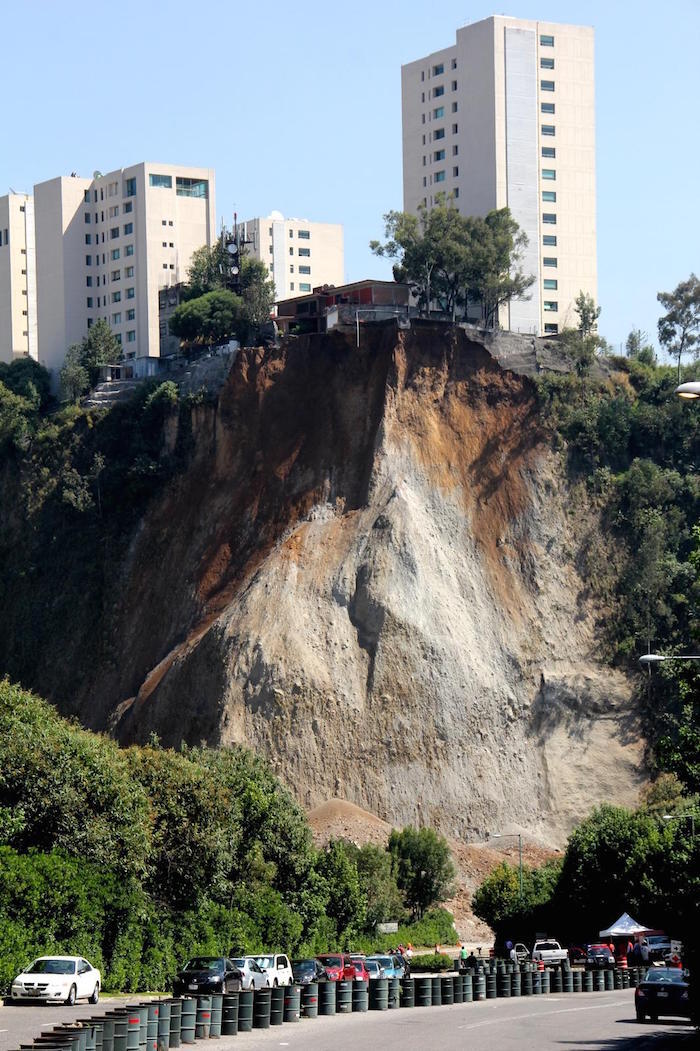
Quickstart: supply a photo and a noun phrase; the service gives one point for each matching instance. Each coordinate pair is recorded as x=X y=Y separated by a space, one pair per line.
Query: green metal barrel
x=515 y=983
x=408 y=992
x=202 y=1023
x=360 y=995
x=229 y=1016
x=262 y=1000
x=577 y=981
x=152 y=1009
x=457 y=989
x=188 y=1019
x=617 y=979
x=588 y=982
x=164 y=1025
x=545 y=982
x=326 y=998
x=292 y=1003
x=175 y=1022
x=503 y=983
x=467 y=988
x=107 y=1033
x=277 y=1005
x=343 y=997
x=245 y=1011
x=609 y=978
x=556 y=983
x=309 y=1000
x=568 y=981
x=625 y=979
x=424 y=991
x=394 y=993
x=490 y=986
x=447 y=990
x=379 y=994
x=526 y=977
x=598 y=981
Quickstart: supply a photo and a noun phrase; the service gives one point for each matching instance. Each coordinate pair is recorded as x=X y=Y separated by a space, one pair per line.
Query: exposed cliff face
x=367 y=573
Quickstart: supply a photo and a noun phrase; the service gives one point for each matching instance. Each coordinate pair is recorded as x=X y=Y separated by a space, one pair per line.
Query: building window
x=185 y=187
x=114 y=254
x=88 y=217
x=546 y=63
x=130 y=293
x=304 y=234
x=131 y=335
x=455 y=171
x=304 y=251
x=453 y=64
x=439 y=155
x=88 y=239
x=454 y=129
x=291 y=285
x=129 y=250
x=165 y=181
x=130 y=315
x=116 y=297
x=439 y=134
x=304 y=286
x=130 y=187
x=454 y=85
x=551 y=306
x=113 y=211
x=89 y=302
x=549 y=260
x=551 y=329
x=88 y=281
x=437 y=92
x=549 y=240
x=549 y=173
x=165 y=244
x=546 y=41
x=546 y=85
x=291 y=268
x=455 y=151
x=438 y=112
x=116 y=275
x=129 y=272
x=454 y=107
x=549 y=218
x=437 y=70
x=114 y=232
x=304 y=269
x=440 y=176
x=116 y=319
x=128 y=228
x=86 y=196
x=549 y=151
x=547 y=107
x=291 y=233
x=550 y=284
x=547 y=129
x=88 y=260
x=425 y=182
x=291 y=250
x=549 y=195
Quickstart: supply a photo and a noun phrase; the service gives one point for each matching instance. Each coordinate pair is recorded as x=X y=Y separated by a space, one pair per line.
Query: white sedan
x=62 y=979
x=277 y=968
x=253 y=976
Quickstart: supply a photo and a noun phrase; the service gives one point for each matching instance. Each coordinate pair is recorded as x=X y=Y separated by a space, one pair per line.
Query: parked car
x=307 y=971
x=389 y=964
x=277 y=968
x=577 y=954
x=62 y=979
x=207 y=974
x=252 y=976
x=522 y=953
x=599 y=956
x=361 y=972
x=550 y=952
x=664 y=991
x=337 y=966
x=655 y=946
x=374 y=968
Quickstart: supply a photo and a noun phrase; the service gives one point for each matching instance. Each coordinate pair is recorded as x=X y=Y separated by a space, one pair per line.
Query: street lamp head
x=689 y=391
x=652 y=658
x=667 y=817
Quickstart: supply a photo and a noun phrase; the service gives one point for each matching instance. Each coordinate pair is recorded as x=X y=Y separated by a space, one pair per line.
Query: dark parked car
x=577 y=954
x=207 y=974
x=664 y=991
x=599 y=956
x=307 y=971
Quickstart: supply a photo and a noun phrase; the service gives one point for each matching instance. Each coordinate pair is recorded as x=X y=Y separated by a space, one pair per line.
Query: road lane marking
x=538 y=1014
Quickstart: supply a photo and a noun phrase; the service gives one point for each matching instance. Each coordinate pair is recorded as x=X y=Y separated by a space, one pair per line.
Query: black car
x=307 y=971
x=207 y=974
x=599 y=956
x=664 y=991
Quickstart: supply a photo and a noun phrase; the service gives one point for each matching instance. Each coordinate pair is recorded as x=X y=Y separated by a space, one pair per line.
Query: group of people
x=466 y=959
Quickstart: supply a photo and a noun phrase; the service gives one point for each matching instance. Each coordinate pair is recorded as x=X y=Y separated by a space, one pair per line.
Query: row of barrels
x=159 y=1025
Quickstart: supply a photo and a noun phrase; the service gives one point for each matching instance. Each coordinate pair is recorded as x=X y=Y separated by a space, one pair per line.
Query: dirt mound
x=339 y=819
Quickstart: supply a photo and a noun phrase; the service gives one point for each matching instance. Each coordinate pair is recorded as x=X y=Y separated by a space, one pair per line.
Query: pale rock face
x=426 y=651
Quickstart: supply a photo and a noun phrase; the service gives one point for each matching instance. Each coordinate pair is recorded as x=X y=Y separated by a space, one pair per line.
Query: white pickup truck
x=550 y=952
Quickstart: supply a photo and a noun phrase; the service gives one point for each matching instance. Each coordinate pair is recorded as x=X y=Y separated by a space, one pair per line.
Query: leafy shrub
x=432 y=962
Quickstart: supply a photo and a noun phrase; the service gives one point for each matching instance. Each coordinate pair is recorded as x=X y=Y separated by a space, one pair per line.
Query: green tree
x=207 y=269
x=679 y=327
x=346 y=901
x=588 y=313
x=99 y=347
x=214 y=317
x=29 y=380
x=638 y=347
x=423 y=867
x=15 y=416
x=74 y=377
x=378 y=883
x=257 y=290
x=495 y=276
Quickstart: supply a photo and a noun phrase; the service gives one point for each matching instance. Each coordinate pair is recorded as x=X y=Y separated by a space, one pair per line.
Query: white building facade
x=18 y=306
x=300 y=255
x=105 y=247
x=506 y=117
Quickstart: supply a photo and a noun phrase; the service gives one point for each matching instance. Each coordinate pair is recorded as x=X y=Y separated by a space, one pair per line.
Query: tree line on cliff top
x=140 y=857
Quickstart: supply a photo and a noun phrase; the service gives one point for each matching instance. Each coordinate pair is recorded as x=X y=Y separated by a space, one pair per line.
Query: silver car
x=253 y=975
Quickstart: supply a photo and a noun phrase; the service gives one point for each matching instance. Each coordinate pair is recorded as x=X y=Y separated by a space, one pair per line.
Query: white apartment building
x=300 y=255
x=18 y=326
x=106 y=245
x=506 y=116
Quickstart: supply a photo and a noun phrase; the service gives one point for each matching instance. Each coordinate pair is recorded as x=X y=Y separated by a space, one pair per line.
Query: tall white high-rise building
x=106 y=245
x=506 y=117
x=18 y=329
x=300 y=255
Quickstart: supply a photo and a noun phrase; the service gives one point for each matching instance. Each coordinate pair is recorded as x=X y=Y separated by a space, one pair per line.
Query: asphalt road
x=577 y=1022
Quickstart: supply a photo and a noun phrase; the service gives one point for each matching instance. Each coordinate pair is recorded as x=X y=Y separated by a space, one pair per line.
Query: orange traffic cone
x=540 y=965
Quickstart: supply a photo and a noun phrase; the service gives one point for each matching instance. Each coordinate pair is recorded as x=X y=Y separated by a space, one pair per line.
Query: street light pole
x=682 y=817
x=659 y=658
x=512 y=835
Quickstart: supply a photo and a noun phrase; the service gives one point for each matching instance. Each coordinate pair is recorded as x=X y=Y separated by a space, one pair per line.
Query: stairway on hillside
x=110 y=392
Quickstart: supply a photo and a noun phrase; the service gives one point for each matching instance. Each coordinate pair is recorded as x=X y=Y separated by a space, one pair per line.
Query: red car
x=339 y=966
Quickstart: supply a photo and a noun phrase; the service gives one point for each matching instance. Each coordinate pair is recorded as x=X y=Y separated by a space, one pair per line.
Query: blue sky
x=298 y=107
